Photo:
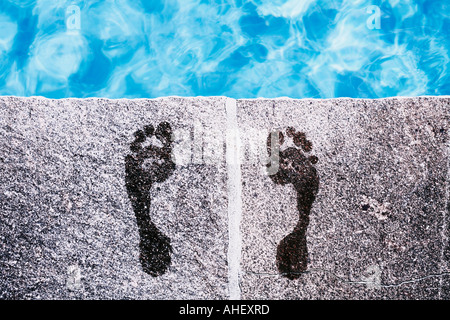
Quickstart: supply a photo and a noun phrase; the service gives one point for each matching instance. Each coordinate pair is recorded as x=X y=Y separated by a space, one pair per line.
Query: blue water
x=241 y=49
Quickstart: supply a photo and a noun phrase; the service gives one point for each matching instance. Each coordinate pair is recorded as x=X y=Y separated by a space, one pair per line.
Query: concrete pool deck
x=377 y=226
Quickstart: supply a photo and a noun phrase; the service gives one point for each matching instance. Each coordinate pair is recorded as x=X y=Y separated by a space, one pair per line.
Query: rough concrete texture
x=67 y=228
x=379 y=224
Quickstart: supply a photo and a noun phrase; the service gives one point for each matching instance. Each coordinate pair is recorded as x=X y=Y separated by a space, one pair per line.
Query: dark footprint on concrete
x=145 y=166
x=297 y=168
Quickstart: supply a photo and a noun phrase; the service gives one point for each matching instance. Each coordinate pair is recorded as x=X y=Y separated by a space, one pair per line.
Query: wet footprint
x=296 y=168
x=146 y=165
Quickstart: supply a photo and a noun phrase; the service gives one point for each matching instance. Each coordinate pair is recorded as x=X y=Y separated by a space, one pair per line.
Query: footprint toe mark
x=145 y=166
x=296 y=168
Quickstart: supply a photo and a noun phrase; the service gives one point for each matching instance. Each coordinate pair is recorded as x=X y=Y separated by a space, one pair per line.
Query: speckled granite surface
x=378 y=225
x=67 y=227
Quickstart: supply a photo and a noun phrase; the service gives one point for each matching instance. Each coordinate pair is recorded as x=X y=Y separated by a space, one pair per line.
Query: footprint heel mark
x=144 y=166
x=297 y=168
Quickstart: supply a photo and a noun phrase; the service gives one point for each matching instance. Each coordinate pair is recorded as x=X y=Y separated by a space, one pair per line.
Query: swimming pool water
x=241 y=49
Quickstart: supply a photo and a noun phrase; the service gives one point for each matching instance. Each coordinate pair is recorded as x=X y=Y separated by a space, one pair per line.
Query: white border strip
x=234 y=200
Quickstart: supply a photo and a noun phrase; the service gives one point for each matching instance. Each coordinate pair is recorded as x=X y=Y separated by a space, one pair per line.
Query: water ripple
x=242 y=49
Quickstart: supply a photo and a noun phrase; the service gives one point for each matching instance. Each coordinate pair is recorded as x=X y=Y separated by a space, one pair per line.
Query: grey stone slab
x=445 y=288
x=378 y=226
x=322 y=285
x=67 y=227
x=379 y=223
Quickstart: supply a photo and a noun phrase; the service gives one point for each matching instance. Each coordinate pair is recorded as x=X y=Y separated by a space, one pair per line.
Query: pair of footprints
x=150 y=164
